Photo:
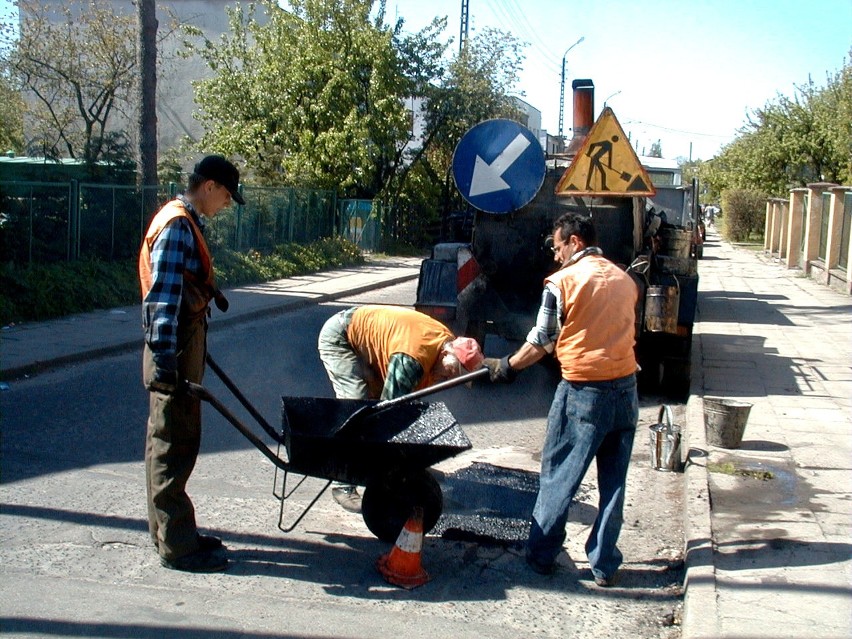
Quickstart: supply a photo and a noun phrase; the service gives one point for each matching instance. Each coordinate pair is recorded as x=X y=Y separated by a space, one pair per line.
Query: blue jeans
x=587 y=420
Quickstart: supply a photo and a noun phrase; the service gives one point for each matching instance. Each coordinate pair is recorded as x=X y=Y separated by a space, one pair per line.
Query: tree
x=77 y=65
x=311 y=96
x=791 y=142
x=11 y=116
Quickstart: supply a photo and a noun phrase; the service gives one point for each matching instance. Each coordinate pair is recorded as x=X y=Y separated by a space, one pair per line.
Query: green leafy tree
x=11 y=104
x=791 y=142
x=318 y=95
x=312 y=96
x=11 y=116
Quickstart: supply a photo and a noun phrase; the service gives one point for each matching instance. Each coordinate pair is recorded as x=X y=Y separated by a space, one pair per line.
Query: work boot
x=205 y=542
x=198 y=561
x=605 y=582
x=209 y=543
x=540 y=568
x=348 y=497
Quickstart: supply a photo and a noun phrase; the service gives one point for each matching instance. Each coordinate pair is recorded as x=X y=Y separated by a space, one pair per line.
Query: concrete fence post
x=795 y=219
x=813 y=222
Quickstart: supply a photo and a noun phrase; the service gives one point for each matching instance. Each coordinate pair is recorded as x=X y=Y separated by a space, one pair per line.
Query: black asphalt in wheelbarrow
x=386 y=447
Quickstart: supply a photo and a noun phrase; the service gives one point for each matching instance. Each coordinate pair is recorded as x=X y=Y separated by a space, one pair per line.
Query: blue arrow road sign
x=498 y=166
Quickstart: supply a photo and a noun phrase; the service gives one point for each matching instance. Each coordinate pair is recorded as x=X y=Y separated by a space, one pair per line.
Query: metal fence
x=58 y=221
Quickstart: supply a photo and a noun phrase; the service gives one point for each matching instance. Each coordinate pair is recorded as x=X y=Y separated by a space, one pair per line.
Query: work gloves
x=221 y=301
x=499 y=370
x=165 y=379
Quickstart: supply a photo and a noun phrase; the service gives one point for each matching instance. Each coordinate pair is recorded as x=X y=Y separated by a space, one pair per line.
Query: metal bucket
x=725 y=421
x=675 y=242
x=661 y=308
x=665 y=442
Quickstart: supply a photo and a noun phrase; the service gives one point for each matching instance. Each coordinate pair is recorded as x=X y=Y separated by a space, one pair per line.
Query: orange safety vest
x=598 y=324
x=378 y=332
x=198 y=287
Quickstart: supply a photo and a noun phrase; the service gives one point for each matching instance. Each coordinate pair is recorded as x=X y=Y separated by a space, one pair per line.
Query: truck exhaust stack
x=584 y=113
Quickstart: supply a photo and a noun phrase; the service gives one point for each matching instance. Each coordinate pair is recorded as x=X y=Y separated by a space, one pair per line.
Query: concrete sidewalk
x=26 y=349
x=768 y=525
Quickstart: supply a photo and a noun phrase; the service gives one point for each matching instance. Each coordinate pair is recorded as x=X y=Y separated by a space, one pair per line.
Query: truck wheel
x=677 y=377
x=650 y=377
x=389 y=500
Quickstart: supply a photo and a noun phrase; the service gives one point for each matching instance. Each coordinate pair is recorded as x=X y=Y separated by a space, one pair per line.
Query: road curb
x=42 y=366
x=700 y=604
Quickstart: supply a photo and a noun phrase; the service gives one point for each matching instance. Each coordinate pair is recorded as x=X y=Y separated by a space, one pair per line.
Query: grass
x=45 y=291
x=729 y=468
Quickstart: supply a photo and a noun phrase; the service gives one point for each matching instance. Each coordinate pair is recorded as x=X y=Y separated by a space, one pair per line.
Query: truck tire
x=677 y=378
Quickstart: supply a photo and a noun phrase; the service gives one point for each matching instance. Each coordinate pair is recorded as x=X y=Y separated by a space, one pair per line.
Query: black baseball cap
x=219 y=169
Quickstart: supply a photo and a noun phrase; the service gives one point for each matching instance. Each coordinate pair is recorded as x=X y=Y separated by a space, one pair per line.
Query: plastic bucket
x=725 y=421
x=665 y=442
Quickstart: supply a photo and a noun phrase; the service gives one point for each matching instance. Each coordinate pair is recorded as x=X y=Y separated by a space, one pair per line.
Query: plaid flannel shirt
x=173 y=253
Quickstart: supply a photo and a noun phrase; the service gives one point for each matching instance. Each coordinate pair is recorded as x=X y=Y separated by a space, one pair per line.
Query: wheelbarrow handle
x=196 y=390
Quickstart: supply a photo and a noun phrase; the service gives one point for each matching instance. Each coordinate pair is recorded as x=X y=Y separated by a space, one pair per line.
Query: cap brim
x=239 y=199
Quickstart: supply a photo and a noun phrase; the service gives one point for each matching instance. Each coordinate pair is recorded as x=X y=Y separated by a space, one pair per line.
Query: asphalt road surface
x=75 y=558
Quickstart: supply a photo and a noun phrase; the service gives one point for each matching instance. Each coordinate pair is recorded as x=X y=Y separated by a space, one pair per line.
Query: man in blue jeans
x=586 y=319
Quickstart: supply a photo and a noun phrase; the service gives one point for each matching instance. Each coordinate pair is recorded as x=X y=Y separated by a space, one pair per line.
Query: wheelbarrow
x=386 y=447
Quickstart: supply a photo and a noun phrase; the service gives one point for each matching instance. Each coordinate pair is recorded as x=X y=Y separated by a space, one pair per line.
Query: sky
x=686 y=73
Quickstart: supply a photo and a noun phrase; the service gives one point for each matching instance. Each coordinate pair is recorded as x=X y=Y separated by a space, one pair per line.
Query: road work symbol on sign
x=606 y=164
x=498 y=166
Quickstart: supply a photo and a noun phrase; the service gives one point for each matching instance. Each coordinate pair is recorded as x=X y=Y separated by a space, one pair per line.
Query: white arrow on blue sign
x=498 y=166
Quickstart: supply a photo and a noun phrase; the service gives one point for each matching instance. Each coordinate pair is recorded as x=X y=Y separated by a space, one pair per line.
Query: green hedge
x=41 y=292
x=744 y=215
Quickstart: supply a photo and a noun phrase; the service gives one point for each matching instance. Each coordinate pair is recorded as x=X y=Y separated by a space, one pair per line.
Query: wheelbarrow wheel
x=388 y=501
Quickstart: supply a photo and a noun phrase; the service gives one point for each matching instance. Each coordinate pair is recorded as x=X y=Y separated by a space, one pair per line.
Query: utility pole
x=562 y=87
x=147 y=119
x=465 y=9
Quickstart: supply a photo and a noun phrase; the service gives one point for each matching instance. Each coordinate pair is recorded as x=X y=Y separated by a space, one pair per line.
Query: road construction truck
x=645 y=221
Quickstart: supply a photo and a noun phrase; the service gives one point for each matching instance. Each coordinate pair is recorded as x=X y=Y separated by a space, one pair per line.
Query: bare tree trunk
x=147 y=52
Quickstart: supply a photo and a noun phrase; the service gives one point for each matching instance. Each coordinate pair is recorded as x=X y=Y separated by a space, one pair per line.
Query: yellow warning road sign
x=606 y=164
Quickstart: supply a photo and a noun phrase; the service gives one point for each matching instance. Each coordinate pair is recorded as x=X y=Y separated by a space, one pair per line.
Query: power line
x=504 y=15
x=665 y=128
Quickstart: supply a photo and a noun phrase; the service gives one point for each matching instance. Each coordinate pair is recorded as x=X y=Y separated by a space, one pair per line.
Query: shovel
x=367 y=412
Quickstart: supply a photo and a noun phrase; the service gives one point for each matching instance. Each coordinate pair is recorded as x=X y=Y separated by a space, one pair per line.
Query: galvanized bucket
x=665 y=442
x=725 y=421
x=661 y=308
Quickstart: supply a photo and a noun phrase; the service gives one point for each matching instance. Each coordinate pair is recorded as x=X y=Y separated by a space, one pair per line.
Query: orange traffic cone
x=401 y=566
